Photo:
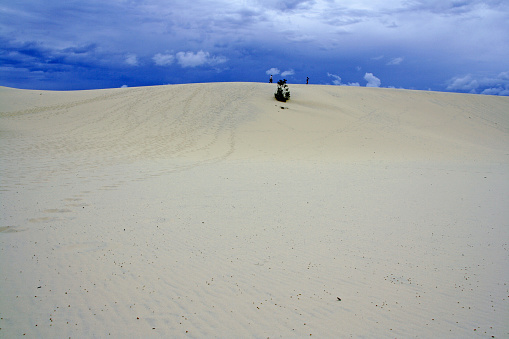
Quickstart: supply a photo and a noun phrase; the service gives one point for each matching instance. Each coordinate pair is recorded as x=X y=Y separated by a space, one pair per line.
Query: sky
x=439 y=45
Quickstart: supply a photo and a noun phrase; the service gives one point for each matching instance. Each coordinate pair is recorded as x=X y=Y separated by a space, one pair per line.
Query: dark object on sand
x=282 y=93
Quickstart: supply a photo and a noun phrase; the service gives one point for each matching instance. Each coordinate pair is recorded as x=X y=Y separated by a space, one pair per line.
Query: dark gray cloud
x=286 y=5
x=35 y=56
x=453 y=7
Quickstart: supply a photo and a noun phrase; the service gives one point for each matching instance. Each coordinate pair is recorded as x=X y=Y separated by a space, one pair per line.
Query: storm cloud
x=420 y=44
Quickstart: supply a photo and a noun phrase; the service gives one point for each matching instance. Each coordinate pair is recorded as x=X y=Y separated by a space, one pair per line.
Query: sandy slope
x=212 y=210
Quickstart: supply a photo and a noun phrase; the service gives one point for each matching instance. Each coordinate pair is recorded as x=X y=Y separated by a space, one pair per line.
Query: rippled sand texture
x=212 y=210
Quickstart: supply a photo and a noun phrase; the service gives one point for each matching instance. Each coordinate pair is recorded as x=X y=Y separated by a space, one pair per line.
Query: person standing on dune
x=270 y=80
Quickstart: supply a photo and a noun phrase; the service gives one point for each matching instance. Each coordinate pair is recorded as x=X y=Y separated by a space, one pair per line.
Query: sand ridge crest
x=214 y=121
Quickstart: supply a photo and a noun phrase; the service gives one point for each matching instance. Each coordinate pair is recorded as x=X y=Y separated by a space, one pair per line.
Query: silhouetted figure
x=307 y=81
x=270 y=80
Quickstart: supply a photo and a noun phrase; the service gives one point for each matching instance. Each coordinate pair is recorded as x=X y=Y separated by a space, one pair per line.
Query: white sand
x=206 y=210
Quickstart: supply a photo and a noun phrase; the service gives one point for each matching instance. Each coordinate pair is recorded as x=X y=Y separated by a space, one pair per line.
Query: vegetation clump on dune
x=282 y=92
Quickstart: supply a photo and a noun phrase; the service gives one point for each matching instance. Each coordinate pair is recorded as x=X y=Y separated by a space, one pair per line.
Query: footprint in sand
x=57 y=210
x=10 y=229
x=53 y=218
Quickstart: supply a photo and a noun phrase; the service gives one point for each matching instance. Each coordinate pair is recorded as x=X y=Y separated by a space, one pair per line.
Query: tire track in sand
x=100 y=143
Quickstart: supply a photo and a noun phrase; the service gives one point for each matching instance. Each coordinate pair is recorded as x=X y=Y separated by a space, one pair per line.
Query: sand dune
x=212 y=210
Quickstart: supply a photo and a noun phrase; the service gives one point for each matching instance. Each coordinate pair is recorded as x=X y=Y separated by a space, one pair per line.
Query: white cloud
x=338 y=82
x=301 y=38
x=498 y=85
x=504 y=76
x=190 y=59
x=163 y=59
x=496 y=91
x=123 y=86
x=372 y=80
x=273 y=71
x=289 y=72
x=466 y=83
x=131 y=60
x=337 y=79
x=217 y=60
x=395 y=61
